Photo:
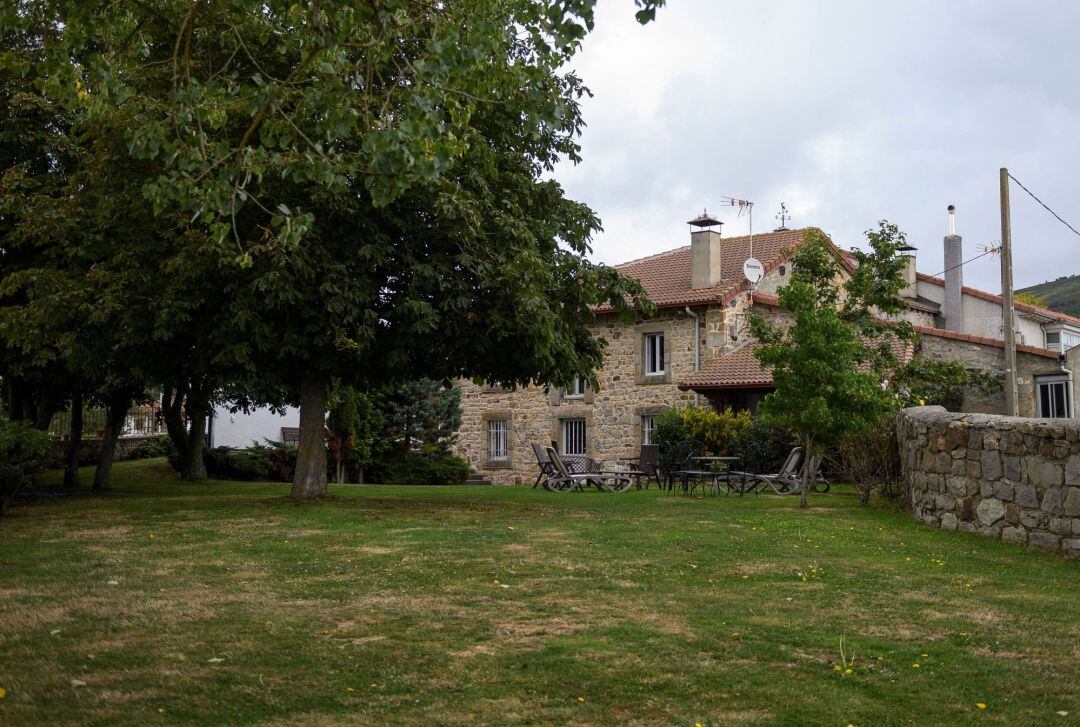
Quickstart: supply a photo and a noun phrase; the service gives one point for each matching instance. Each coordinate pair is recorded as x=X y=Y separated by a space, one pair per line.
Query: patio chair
x=787 y=480
x=645 y=465
x=546 y=468
x=564 y=480
x=679 y=463
x=818 y=483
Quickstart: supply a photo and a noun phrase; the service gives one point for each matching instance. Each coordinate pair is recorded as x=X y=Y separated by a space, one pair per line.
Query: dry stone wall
x=1002 y=477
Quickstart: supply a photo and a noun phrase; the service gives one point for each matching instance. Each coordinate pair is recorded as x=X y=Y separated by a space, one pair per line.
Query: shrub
x=157 y=447
x=720 y=432
x=418 y=469
x=24 y=453
x=871 y=459
x=764 y=447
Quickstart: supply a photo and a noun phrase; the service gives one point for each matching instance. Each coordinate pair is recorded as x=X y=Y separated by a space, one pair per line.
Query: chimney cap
x=906 y=248
x=704 y=220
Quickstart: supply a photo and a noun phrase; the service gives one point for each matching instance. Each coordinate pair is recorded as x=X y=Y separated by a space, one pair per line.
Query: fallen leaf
x=114 y=583
x=216 y=660
x=54 y=632
x=78 y=683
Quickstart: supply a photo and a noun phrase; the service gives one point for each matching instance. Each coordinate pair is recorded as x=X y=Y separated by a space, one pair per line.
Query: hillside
x=1062 y=294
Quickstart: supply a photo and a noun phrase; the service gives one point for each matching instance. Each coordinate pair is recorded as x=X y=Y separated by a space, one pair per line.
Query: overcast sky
x=848 y=111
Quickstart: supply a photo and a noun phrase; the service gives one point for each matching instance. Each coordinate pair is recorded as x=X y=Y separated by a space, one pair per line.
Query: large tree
x=832 y=357
x=371 y=174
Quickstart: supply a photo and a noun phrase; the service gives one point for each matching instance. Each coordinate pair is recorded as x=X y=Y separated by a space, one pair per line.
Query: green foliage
x=272 y=461
x=422 y=414
x=421 y=469
x=1062 y=294
x=356 y=432
x=761 y=445
x=157 y=447
x=24 y=453
x=1031 y=299
x=829 y=364
x=719 y=432
x=941 y=383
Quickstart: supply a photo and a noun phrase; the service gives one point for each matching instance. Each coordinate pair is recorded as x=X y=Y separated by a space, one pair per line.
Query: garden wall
x=90 y=449
x=1003 y=477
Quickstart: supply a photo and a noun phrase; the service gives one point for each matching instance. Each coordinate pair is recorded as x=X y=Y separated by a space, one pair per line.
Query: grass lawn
x=224 y=603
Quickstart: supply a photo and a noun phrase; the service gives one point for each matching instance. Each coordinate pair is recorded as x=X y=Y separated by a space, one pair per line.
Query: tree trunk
x=71 y=466
x=186 y=411
x=806 y=473
x=309 y=480
x=45 y=410
x=194 y=466
x=116 y=409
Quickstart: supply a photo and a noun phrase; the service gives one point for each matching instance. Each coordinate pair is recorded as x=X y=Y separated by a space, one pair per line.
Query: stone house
x=697 y=349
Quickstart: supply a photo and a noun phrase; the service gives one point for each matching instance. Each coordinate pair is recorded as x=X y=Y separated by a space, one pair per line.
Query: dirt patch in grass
x=375 y=550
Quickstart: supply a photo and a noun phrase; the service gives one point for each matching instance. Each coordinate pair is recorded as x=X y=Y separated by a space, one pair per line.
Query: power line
x=991 y=251
x=1055 y=214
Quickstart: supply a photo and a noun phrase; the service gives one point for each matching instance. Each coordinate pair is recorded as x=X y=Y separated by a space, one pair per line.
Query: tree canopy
x=351 y=190
x=830 y=365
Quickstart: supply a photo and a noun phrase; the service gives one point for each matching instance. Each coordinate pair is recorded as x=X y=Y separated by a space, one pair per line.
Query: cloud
x=847 y=111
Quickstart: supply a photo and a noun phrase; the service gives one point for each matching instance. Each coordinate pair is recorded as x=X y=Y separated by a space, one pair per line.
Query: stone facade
x=612 y=415
x=1002 y=477
x=991 y=360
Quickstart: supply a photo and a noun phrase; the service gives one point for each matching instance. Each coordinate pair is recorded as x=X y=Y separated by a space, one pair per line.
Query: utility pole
x=1008 y=314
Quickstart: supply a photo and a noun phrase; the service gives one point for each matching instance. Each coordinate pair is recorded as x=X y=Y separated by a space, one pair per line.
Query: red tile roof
x=667 y=277
x=996 y=343
x=1063 y=317
x=740 y=369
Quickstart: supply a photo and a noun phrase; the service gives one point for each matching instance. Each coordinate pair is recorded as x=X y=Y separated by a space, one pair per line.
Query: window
x=576 y=390
x=648 y=424
x=1062 y=340
x=1052 y=397
x=498 y=441
x=573 y=436
x=654 y=354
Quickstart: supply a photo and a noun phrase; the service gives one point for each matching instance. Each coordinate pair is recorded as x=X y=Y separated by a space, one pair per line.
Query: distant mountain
x=1061 y=295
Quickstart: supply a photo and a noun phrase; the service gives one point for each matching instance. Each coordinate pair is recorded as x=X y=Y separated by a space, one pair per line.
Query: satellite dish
x=753 y=270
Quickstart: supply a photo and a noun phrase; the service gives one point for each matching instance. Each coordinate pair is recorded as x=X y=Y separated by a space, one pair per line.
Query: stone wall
x=90 y=449
x=990 y=359
x=1003 y=477
x=612 y=414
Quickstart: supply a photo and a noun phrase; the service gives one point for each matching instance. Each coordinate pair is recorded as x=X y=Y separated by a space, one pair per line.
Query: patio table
x=710 y=467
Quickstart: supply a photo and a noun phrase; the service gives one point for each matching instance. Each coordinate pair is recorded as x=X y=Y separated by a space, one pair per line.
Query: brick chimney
x=953 y=309
x=705 y=252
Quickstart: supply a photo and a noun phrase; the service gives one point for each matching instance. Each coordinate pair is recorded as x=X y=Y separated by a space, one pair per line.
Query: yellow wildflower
x=915 y=666
x=581 y=699
x=980 y=705
x=3 y=693
x=848 y=672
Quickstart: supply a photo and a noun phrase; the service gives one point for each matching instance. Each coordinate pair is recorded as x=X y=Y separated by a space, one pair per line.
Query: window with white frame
x=576 y=390
x=573 y=436
x=654 y=354
x=498 y=440
x=648 y=424
x=1052 y=400
x=1062 y=341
